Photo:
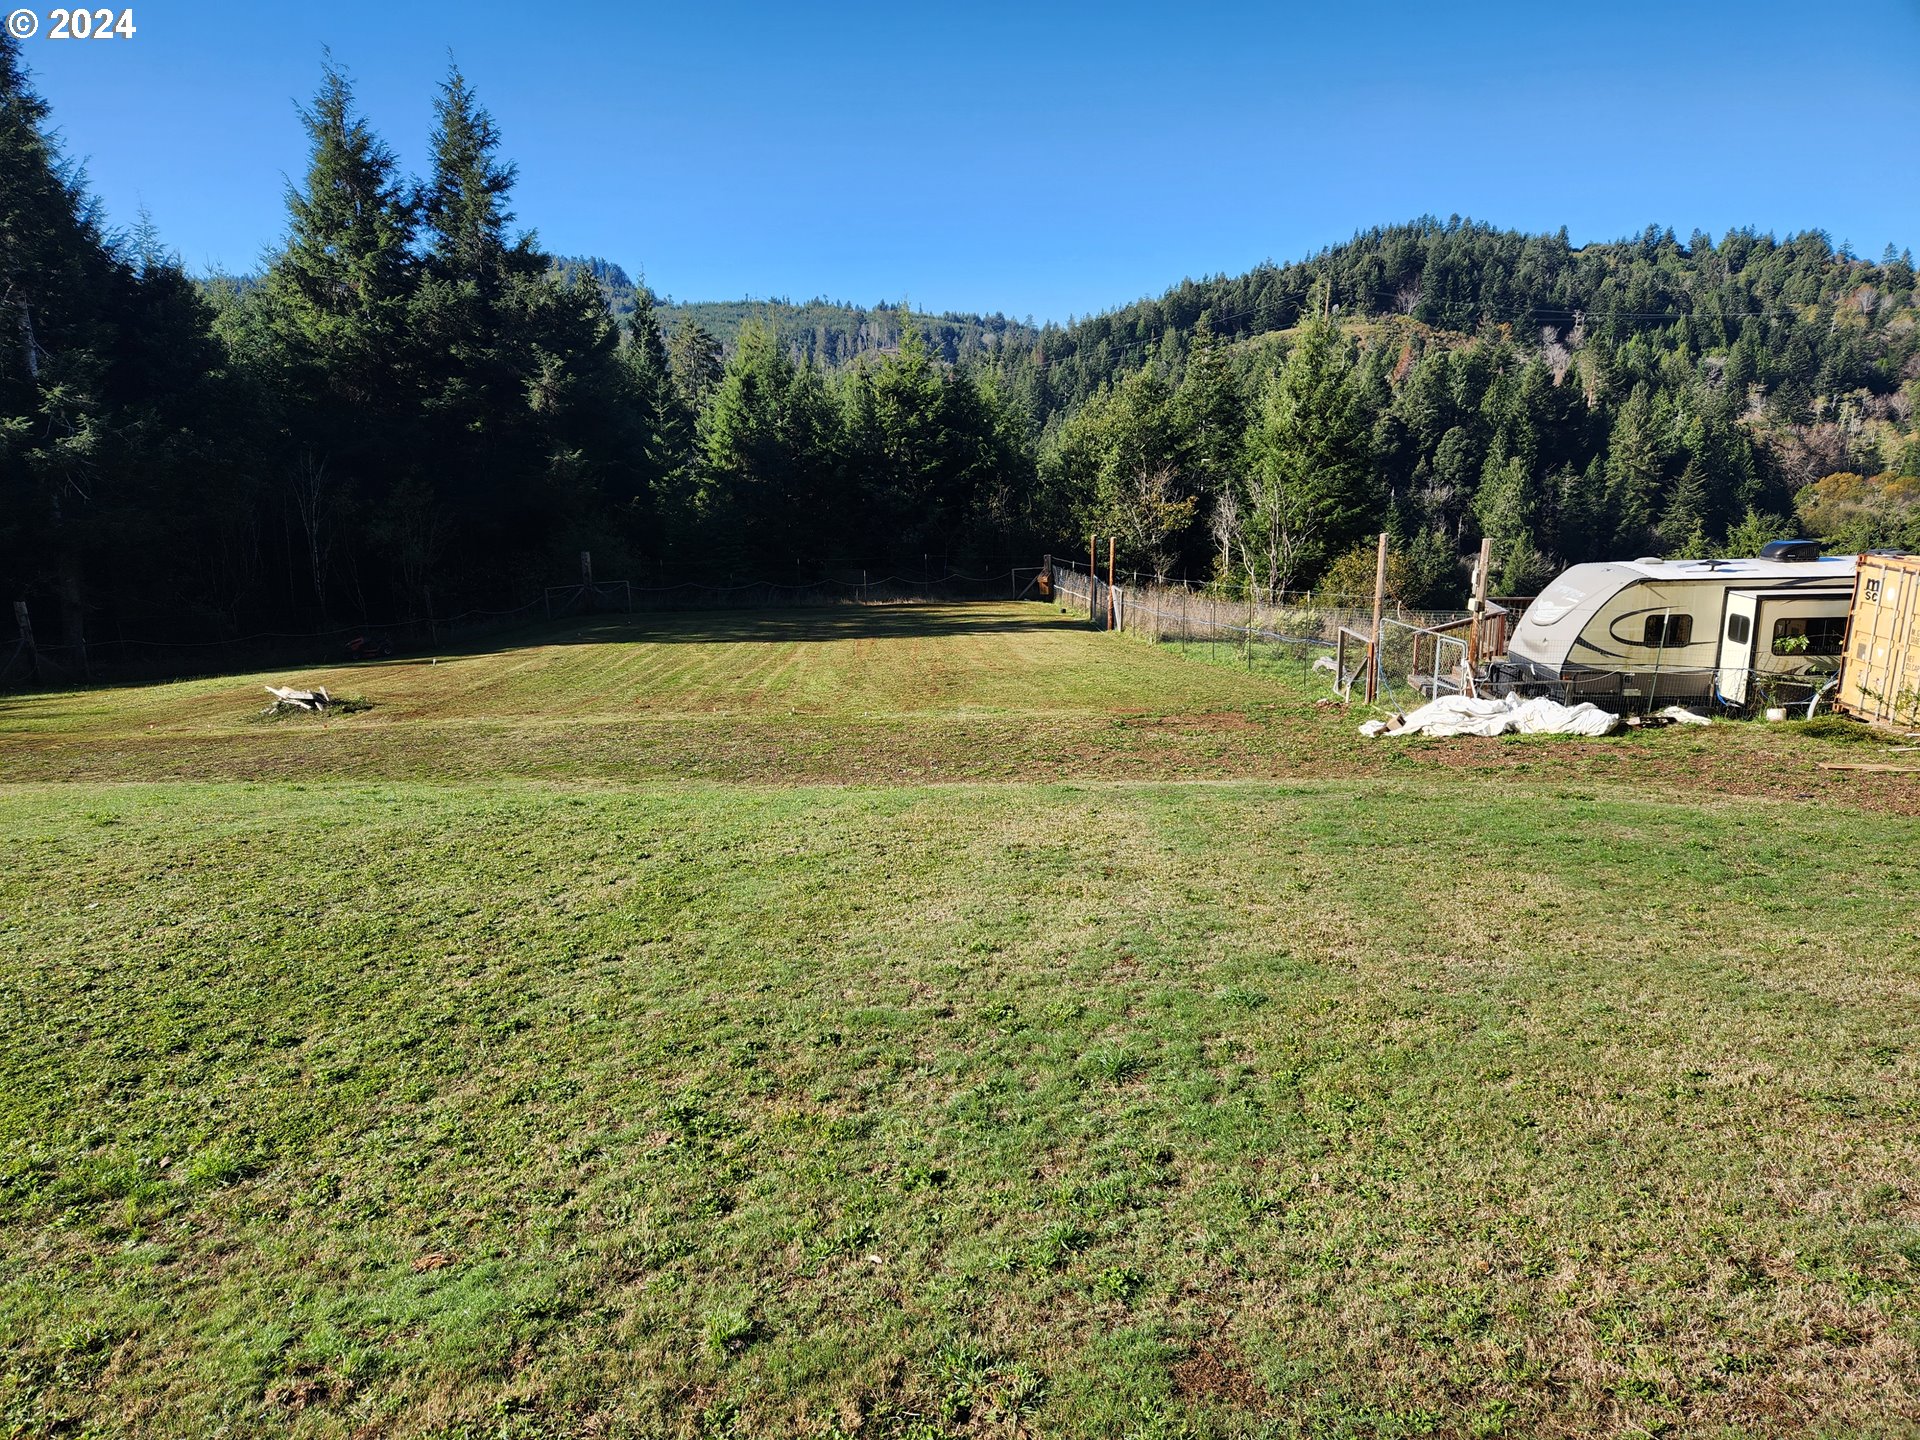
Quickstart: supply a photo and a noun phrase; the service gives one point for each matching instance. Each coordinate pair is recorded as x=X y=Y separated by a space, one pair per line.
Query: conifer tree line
x=412 y=410
x=820 y=331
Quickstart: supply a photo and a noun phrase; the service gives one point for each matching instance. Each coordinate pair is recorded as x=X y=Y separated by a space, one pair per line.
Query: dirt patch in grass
x=1228 y=721
x=1216 y=1372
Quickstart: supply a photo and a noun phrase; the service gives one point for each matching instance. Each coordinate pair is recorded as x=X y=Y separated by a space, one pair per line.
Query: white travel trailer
x=1642 y=633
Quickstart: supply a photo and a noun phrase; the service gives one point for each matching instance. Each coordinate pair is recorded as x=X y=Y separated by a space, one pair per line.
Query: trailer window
x=1667 y=630
x=1739 y=627
x=1810 y=635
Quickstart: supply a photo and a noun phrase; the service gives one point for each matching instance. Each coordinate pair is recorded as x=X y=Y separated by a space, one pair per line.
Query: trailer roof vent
x=1792 y=551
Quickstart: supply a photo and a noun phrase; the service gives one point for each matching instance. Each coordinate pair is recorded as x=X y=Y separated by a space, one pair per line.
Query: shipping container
x=1880 y=679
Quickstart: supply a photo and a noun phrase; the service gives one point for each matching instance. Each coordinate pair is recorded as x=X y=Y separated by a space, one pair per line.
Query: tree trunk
x=29 y=340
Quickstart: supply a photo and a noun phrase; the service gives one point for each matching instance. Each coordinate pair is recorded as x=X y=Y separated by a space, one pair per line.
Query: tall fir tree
x=57 y=281
x=1209 y=414
x=1310 y=459
x=328 y=333
x=1634 y=465
x=697 y=363
x=766 y=440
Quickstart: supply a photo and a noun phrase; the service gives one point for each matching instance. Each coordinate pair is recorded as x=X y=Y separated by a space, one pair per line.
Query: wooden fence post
x=1110 y=545
x=1379 y=604
x=1093 y=577
x=1479 y=607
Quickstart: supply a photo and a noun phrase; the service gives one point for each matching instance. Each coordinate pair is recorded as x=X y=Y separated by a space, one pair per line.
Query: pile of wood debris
x=285 y=699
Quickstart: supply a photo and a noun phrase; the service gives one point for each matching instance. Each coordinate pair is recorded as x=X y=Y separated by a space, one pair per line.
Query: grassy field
x=941 y=1022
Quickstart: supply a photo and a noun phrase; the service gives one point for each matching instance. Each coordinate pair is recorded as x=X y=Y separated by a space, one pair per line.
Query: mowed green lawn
x=821 y=694
x=941 y=1022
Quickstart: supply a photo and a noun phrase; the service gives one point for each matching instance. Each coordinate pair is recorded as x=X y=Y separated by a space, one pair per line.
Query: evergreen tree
x=1209 y=418
x=335 y=297
x=767 y=438
x=1513 y=508
x=696 y=362
x=464 y=206
x=925 y=448
x=533 y=420
x=1683 y=524
x=1753 y=531
x=467 y=314
x=664 y=426
x=1312 y=489
x=123 y=446
x=899 y=433
x=1634 y=465
x=57 y=279
x=327 y=332
x=1009 y=507
x=1586 y=525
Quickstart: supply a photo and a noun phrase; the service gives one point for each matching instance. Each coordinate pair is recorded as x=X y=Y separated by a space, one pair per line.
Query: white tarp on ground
x=1452 y=715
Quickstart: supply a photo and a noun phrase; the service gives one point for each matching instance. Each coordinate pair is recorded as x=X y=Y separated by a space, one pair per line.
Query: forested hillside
x=414 y=411
x=1451 y=380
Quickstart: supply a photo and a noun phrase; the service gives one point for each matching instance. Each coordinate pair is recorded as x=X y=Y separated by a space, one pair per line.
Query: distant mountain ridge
x=1468 y=278
x=820 y=330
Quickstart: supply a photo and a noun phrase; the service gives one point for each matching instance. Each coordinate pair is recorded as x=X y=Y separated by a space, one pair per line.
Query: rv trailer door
x=1736 y=647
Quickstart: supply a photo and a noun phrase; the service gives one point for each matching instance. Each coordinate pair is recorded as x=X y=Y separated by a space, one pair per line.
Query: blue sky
x=1037 y=159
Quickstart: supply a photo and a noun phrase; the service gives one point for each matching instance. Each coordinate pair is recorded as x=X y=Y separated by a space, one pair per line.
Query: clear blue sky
x=1033 y=158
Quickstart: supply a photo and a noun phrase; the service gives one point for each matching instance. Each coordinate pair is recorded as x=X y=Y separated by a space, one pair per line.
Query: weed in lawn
x=1117 y=1283
x=729 y=1332
x=1053 y=1247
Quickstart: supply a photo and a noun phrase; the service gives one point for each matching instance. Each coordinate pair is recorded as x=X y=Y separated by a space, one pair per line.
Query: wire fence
x=848 y=587
x=1421 y=653
x=38 y=665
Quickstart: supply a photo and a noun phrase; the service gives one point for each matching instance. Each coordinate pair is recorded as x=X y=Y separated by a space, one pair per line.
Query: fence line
x=869 y=589
x=1416 y=657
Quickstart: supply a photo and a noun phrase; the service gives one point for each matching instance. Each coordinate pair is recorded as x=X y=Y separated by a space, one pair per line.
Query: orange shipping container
x=1880 y=679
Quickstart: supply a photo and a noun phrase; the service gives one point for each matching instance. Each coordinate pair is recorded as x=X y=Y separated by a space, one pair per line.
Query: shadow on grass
x=902 y=621
x=828 y=623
